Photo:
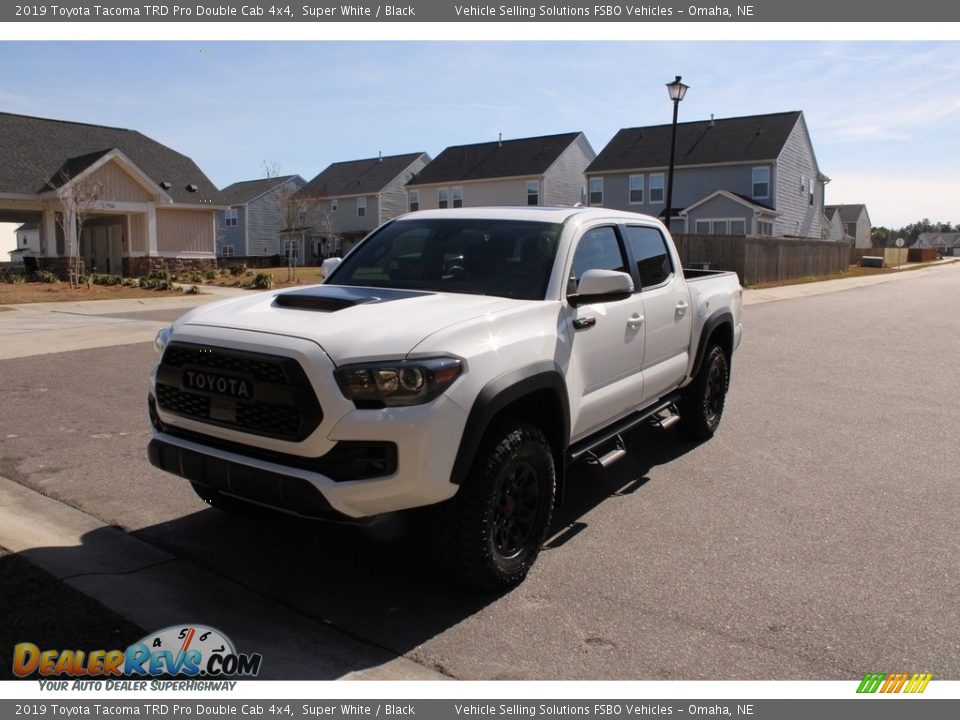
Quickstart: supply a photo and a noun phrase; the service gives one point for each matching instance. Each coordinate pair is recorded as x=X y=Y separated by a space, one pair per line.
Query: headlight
x=412 y=382
x=163 y=337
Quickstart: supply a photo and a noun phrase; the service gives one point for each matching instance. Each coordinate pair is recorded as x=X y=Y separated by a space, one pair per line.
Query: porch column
x=151 y=229
x=48 y=232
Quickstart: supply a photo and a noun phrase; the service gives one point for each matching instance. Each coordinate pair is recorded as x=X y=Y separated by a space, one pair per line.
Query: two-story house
x=27 y=238
x=753 y=175
x=546 y=170
x=256 y=216
x=111 y=197
x=349 y=199
x=855 y=222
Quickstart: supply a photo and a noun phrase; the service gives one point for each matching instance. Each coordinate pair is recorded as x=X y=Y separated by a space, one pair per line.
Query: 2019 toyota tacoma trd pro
x=454 y=358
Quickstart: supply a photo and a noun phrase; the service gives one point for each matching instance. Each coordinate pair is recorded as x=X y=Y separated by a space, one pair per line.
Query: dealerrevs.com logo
x=185 y=651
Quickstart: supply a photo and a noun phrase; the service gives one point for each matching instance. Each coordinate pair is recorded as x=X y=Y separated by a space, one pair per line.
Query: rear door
x=665 y=308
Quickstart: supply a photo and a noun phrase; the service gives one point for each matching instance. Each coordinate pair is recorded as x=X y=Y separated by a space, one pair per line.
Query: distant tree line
x=887 y=237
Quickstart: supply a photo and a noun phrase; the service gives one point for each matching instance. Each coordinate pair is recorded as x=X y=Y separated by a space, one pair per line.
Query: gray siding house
x=855 y=222
x=546 y=170
x=349 y=199
x=253 y=223
x=943 y=241
x=753 y=175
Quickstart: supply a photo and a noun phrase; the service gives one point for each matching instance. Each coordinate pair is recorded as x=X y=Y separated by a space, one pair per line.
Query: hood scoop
x=330 y=298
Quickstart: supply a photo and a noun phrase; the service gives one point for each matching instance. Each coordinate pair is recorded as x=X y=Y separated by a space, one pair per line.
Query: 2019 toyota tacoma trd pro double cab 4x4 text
x=460 y=358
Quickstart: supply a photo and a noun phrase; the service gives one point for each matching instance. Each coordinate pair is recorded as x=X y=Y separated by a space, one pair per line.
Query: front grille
x=183 y=403
x=259 y=367
x=255 y=393
x=282 y=420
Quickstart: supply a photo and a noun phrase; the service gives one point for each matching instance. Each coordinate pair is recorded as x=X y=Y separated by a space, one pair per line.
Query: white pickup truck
x=458 y=358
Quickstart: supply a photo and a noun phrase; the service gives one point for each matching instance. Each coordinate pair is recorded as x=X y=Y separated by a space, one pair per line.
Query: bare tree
x=295 y=210
x=79 y=201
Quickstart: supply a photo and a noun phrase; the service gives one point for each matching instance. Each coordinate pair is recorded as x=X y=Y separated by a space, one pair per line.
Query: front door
x=606 y=340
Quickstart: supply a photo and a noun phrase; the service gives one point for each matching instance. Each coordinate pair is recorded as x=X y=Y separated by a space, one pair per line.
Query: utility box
x=871 y=261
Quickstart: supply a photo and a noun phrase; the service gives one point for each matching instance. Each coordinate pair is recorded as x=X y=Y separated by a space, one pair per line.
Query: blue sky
x=884 y=116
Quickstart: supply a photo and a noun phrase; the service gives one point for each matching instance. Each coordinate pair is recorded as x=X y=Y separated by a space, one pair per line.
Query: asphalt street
x=815 y=537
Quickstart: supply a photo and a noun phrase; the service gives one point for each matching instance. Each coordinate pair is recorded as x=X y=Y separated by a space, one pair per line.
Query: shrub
x=224 y=272
x=211 y=274
x=159 y=274
x=239 y=269
x=15 y=279
x=193 y=290
x=45 y=276
x=262 y=281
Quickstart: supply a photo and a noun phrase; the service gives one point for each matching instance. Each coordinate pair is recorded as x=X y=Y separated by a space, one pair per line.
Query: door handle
x=635 y=321
x=584 y=323
x=682 y=308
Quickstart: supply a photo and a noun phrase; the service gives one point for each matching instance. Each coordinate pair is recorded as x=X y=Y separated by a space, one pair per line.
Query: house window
x=636 y=189
x=718 y=227
x=764 y=228
x=533 y=192
x=458 y=197
x=596 y=191
x=703 y=227
x=813 y=188
x=361 y=206
x=301 y=216
x=334 y=205
x=656 y=188
x=738 y=227
x=442 y=198
x=230 y=216
x=291 y=250
x=413 y=199
x=761 y=182
x=226 y=250
x=24 y=241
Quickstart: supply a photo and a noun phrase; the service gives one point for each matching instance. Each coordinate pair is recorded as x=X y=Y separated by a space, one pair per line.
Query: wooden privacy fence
x=761 y=259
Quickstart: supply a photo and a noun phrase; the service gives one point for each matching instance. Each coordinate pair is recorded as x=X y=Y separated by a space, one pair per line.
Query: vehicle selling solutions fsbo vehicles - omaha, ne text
x=457 y=358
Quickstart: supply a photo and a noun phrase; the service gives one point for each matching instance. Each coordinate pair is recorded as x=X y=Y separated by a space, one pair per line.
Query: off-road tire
x=489 y=535
x=701 y=406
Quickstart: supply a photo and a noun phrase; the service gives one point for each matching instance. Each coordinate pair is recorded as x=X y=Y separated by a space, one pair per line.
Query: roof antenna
x=379 y=155
x=712 y=123
x=500 y=139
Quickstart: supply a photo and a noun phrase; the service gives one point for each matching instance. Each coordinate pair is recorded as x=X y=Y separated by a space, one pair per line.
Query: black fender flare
x=717 y=320
x=498 y=394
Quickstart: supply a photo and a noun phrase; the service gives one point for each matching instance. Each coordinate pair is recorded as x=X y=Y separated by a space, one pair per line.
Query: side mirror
x=328 y=266
x=598 y=286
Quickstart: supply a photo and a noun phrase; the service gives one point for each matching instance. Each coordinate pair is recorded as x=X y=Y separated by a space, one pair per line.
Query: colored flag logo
x=894 y=682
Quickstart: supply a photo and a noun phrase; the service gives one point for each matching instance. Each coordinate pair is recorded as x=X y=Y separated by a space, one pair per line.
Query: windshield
x=508 y=258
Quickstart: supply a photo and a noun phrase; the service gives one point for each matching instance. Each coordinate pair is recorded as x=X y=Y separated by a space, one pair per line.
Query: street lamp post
x=677 y=90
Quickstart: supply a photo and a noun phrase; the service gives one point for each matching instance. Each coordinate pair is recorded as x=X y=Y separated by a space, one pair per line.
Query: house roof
x=484 y=161
x=946 y=239
x=703 y=142
x=40 y=152
x=240 y=193
x=736 y=197
x=27 y=227
x=848 y=213
x=359 y=177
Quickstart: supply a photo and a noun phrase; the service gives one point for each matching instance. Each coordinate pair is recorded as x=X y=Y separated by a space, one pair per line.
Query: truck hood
x=351 y=324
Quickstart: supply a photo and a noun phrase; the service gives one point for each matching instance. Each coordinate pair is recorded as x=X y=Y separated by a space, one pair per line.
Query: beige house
x=138 y=202
x=538 y=171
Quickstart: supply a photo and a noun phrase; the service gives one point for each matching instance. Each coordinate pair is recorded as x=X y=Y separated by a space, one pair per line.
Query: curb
x=154 y=589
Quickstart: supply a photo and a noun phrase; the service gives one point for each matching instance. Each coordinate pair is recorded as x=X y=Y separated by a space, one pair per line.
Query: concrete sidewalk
x=154 y=589
x=790 y=292
x=42 y=328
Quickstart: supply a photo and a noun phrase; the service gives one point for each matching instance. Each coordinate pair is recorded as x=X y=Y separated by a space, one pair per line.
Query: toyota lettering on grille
x=219 y=384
